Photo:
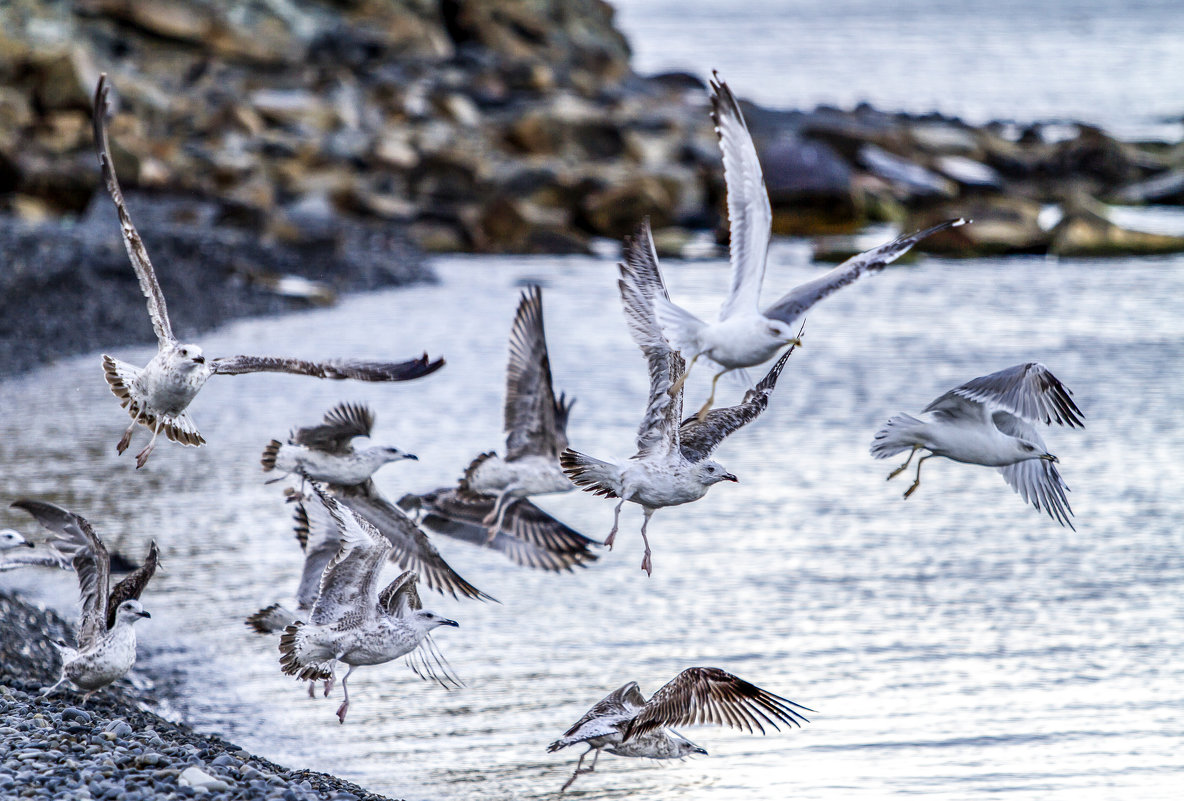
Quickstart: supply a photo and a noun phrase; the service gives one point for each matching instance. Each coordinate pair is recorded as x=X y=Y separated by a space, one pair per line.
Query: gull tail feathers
x=898 y=434
x=296 y=659
x=591 y=475
x=562 y=742
x=272 y=619
x=270 y=451
x=679 y=326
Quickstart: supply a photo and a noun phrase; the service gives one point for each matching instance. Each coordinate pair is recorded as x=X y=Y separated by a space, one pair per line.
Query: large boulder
x=810 y=188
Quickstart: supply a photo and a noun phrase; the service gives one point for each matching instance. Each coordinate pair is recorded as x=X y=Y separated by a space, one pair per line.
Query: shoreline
x=116 y=746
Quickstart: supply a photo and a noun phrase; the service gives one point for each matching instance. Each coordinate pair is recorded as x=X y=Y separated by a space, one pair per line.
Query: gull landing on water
x=352 y=622
x=157 y=395
x=745 y=336
x=625 y=724
x=672 y=464
x=106 y=641
x=991 y=421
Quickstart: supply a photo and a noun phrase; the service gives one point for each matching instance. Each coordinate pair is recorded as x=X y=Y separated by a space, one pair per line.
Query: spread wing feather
x=133 y=584
x=341 y=425
x=1036 y=480
x=358 y=370
x=535 y=422
x=1028 y=390
x=136 y=251
x=348 y=593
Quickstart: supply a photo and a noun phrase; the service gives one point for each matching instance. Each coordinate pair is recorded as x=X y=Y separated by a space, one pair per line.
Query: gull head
x=782 y=332
x=684 y=747
x=428 y=620
x=187 y=357
x=12 y=539
x=130 y=611
x=1029 y=450
x=711 y=472
x=393 y=454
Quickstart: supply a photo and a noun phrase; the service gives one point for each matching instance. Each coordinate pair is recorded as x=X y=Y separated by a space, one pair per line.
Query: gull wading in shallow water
x=745 y=336
x=672 y=464
x=490 y=506
x=157 y=395
x=991 y=421
x=352 y=622
x=106 y=641
x=325 y=452
x=625 y=724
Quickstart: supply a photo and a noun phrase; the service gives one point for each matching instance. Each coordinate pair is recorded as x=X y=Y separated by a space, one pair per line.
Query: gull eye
x=184 y=352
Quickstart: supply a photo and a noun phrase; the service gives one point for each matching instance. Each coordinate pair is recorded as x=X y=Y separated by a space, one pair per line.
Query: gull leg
x=706 y=407
x=579 y=769
x=142 y=456
x=646 y=564
x=612 y=535
x=676 y=387
x=345 y=689
x=332 y=676
x=917 y=481
x=46 y=691
x=312 y=688
x=498 y=514
x=126 y=439
x=904 y=466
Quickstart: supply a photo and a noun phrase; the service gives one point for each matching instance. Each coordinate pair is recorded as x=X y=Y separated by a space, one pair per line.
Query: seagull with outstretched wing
x=744 y=335
x=626 y=724
x=992 y=421
x=158 y=395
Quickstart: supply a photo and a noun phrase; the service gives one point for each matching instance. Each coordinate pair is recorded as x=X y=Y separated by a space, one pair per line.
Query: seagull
x=325 y=452
x=672 y=464
x=106 y=641
x=346 y=474
x=10 y=539
x=528 y=536
x=489 y=507
x=351 y=621
x=625 y=724
x=745 y=336
x=992 y=421
x=158 y=395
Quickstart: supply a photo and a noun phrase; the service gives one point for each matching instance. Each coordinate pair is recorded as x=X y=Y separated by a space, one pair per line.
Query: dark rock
x=1085 y=231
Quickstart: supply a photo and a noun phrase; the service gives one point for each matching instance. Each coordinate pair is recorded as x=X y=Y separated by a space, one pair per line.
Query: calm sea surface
x=1115 y=64
x=954 y=645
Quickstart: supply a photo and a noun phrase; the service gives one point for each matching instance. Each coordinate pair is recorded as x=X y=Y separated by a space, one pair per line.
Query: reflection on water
x=954 y=644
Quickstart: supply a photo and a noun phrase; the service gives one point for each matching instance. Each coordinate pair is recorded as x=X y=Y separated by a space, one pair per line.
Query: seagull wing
x=337 y=368
x=133 y=584
x=413 y=550
x=34 y=559
x=1036 y=480
x=535 y=422
x=529 y=536
x=341 y=424
x=623 y=702
x=401 y=598
x=640 y=282
x=698 y=440
x=749 y=213
x=800 y=298
x=704 y=695
x=1028 y=390
x=954 y=407
x=348 y=593
x=321 y=541
x=131 y=238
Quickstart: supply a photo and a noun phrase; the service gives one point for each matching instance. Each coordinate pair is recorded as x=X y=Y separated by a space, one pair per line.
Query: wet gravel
x=115 y=746
x=67 y=287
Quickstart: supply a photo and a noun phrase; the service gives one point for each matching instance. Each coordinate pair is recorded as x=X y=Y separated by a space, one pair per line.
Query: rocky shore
x=116 y=746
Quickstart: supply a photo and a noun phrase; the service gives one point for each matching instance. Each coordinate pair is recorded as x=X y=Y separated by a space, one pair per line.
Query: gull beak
x=452 y=623
x=796 y=342
x=411 y=456
x=1048 y=457
x=30 y=544
x=732 y=478
x=199 y=359
x=699 y=750
x=145 y=613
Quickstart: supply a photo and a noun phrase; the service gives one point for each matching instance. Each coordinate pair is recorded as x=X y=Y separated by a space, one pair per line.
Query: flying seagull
x=992 y=421
x=158 y=395
x=325 y=452
x=490 y=506
x=745 y=336
x=106 y=640
x=351 y=621
x=625 y=724
x=672 y=464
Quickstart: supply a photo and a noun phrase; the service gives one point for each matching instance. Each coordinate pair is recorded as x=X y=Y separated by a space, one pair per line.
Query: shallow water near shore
x=954 y=644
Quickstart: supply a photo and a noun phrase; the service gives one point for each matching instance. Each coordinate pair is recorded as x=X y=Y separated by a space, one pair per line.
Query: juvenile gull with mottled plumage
x=158 y=395
x=625 y=724
x=672 y=465
x=351 y=621
x=106 y=640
